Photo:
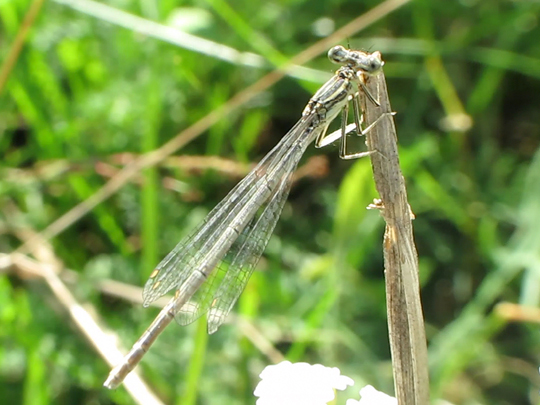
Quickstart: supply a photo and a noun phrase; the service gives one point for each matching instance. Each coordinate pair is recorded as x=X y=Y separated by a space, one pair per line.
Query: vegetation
x=89 y=95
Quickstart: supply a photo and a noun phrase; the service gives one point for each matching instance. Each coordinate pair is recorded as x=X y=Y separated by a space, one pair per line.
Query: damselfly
x=210 y=268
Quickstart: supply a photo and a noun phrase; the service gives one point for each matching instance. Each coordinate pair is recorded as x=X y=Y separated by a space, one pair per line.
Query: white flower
x=299 y=384
x=370 y=396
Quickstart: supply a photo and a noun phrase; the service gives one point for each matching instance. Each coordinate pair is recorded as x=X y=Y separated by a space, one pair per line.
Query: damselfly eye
x=338 y=54
x=375 y=63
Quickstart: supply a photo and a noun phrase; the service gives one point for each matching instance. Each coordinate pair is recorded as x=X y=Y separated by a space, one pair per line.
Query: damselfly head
x=369 y=63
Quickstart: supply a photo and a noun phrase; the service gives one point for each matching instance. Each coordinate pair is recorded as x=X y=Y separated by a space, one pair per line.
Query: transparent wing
x=202 y=299
x=248 y=250
x=230 y=276
x=176 y=267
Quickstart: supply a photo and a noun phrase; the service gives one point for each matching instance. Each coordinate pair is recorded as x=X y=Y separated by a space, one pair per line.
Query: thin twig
x=404 y=308
x=48 y=267
x=315 y=167
x=46 y=171
x=18 y=43
x=102 y=341
x=512 y=312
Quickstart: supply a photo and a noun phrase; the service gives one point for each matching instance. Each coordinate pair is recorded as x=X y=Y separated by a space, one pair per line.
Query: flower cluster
x=305 y=384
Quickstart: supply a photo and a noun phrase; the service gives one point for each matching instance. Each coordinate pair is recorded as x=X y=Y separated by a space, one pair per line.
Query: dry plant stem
x=48 y=267
x=85 y=322
x=517 y=313
x=404 y=308
x=16 y=47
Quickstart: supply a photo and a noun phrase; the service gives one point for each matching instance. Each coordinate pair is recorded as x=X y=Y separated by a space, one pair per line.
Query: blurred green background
x=93 y=89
